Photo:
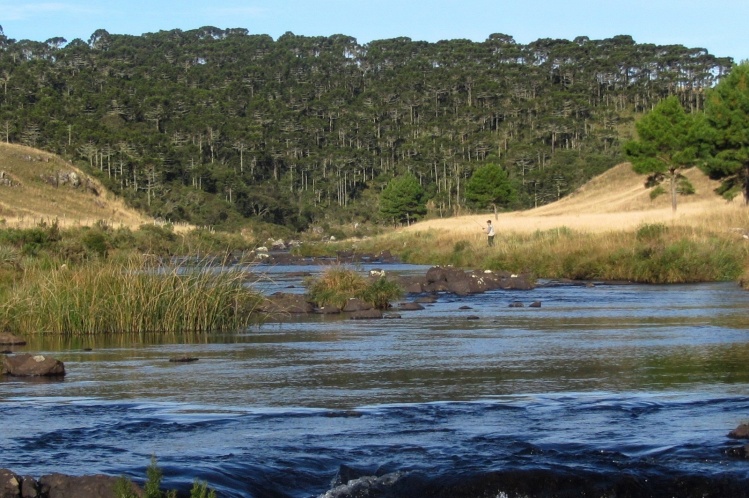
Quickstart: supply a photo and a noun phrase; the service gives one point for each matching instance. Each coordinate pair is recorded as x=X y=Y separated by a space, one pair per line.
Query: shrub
x=337 y=285
x=380 y=293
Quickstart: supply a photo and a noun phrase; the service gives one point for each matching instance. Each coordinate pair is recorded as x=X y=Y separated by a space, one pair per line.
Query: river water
x=609 y=390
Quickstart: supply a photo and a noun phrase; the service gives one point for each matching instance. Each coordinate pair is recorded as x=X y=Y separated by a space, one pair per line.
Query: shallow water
x=598 y=383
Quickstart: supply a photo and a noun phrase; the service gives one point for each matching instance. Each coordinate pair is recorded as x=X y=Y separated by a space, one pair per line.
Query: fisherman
x=490 y=232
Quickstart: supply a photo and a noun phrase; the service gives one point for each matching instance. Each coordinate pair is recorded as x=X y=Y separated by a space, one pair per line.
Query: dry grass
x=30 y=199
x=610 y=229
x=614 y=201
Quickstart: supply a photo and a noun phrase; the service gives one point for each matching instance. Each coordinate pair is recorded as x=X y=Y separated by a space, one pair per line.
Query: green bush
x=337 y=285
x=381 y=292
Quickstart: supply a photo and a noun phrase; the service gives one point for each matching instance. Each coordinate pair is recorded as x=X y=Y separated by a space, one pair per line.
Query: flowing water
x=610 y=390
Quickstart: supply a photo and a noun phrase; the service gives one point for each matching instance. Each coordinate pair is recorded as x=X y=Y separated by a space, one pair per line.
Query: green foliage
x=337 y=285
x=163 y=120
x=201 y=490
x=657 y=192
x=650 y=231
x=381 y=292
x=666 y=144
x=134 y=296
x=403 y=200
x=727 y=119
x=490 y=185
x=124 y=487
x=152 y=488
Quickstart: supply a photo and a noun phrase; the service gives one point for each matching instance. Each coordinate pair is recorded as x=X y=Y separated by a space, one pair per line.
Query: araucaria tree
x=403 y=200
x=727 y=115
x=666 y=146
x=490 y=185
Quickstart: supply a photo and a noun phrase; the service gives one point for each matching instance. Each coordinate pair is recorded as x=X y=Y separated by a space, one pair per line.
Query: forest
x=220 y=127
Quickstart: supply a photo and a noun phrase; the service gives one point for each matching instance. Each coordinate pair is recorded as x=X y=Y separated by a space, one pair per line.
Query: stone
x=92 y=486
x=371 y=314
x=355 y=304
x=8 y=339
x=286 y=303
x=740 y=432
x=27 y=365
x=409 y=307
x=10 y=484
x=183 y=359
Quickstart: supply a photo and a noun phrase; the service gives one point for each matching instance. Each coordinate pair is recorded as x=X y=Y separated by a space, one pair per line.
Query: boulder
x=449 y=279
x=10 y=484
x=409 y=307
x=355 y=304
x=328 y=310
x=285 y=303
x=740 y=432
x=92 y=486
x=371 y=314
x=28 y=365
x=8 y=339
x=29 y=487
x=426 y=299
x=183 y=359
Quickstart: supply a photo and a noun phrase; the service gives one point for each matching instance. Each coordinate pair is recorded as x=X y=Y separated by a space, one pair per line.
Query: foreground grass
x=653 y=253
x=131 y=296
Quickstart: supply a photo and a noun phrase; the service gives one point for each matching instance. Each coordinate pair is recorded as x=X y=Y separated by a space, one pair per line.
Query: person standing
x=490 y=232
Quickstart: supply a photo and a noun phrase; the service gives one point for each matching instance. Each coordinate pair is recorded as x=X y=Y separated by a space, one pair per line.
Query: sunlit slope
x=36 y=186
x=614 y=200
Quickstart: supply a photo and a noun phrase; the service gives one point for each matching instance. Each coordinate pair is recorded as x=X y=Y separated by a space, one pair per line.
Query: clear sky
x=720 y=26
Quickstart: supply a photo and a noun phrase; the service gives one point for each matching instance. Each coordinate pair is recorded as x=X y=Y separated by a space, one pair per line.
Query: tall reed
x=136 y=296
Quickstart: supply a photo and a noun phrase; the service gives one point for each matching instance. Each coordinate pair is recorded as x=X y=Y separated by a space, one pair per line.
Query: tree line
x=215 y=126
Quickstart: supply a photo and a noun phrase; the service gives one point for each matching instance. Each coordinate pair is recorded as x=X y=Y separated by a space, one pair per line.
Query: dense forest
x=216 y=126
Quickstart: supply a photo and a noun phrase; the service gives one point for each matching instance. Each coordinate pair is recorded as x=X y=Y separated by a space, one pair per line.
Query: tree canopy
x=666 y=144
x=403 y=200
x=727 y=135
x=214 y=126
x=490 y=185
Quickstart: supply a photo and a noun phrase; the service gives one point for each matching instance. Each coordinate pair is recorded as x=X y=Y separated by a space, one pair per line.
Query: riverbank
x=610 y=229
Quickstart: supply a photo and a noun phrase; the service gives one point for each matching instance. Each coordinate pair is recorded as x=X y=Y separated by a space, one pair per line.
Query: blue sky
x=720 y=26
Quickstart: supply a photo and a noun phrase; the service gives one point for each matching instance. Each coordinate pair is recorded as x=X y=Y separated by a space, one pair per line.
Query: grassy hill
x=614 y=200
x=36 y=186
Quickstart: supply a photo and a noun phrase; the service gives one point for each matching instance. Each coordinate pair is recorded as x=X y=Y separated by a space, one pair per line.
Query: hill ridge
x=37 y=186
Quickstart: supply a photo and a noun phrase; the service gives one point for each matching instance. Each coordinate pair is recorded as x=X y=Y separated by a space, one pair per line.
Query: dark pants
x=491 y=240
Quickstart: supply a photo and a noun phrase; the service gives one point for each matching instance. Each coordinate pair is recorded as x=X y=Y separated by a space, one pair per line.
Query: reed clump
x=338 y=284
x=133 y=296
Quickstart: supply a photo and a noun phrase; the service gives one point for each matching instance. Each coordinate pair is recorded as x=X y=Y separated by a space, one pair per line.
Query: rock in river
x=28 y=365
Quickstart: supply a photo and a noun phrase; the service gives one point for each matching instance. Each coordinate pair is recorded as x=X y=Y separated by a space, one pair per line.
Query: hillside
x=614 y=200
x=216 y=126
x=37 y=186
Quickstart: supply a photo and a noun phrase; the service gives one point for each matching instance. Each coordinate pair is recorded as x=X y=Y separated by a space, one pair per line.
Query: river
x=605 y=390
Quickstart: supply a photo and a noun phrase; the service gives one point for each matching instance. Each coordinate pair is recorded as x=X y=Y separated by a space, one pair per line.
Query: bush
x=381 y=292
x=338 y=285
